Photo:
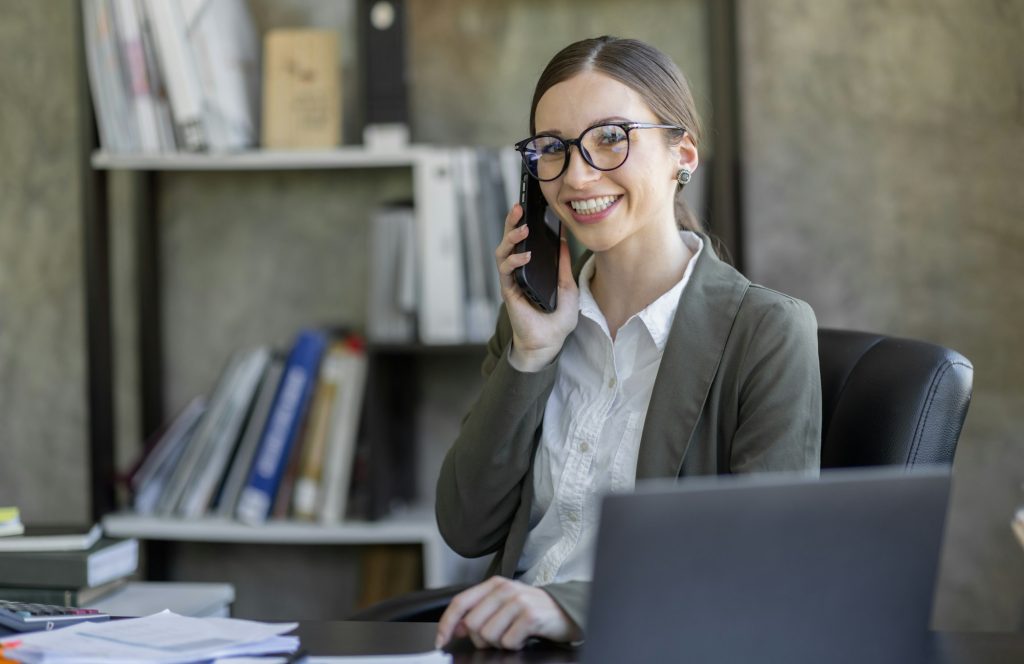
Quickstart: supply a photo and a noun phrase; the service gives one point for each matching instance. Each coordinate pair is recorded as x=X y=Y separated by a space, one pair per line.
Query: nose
x=579 y=173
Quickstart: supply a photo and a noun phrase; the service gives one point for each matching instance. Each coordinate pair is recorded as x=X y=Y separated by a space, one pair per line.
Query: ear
x=685 y=154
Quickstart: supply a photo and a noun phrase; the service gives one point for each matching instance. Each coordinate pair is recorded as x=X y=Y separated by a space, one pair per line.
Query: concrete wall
x=884 y=145
x=43 y=418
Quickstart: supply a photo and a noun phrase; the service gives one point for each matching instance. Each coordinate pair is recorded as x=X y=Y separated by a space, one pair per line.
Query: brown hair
x=645 y=69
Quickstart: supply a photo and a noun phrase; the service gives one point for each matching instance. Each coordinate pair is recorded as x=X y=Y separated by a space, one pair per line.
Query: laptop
x=769 y=568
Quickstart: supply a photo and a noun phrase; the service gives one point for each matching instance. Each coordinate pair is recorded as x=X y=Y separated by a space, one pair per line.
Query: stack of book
x=168 y=76
x=275 y=439
x=433 y=275
x=66 y=566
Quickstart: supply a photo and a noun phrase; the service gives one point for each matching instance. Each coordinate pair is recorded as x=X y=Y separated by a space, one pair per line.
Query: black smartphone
x=538 y=278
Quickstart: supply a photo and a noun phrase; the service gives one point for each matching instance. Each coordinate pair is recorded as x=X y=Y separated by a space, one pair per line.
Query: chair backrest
x=890 y=401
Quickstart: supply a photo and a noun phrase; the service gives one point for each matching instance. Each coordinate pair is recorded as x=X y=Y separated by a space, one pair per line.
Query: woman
x=660 y=360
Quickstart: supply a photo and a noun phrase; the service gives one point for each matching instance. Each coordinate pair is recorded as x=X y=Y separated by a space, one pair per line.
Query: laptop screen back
x=771 y=568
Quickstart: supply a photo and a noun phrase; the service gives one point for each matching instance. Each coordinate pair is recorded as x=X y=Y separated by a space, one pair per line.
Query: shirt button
x=584 y=447
x=611 y=382
x=573 y=517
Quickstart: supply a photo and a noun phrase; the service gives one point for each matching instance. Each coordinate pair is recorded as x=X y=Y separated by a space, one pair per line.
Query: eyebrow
x=600 y=121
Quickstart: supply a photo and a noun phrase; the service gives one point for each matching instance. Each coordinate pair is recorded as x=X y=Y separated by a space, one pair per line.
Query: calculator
x=27 y=617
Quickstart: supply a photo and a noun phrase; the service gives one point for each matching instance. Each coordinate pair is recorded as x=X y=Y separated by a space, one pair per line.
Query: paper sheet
x=432 y=657
x=435 y=657
x=164 y=637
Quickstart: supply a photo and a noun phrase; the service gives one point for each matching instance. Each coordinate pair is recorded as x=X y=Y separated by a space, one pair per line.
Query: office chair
x=886 y=401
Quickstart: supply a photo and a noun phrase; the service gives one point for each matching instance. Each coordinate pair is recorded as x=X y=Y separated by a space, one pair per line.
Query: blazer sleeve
x=779 y=422
x=480 y=485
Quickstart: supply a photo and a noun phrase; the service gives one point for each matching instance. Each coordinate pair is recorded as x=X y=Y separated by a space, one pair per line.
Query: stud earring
x=683 y=176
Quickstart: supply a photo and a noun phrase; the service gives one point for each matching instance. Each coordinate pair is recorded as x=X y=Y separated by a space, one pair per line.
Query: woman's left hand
x=502 y=613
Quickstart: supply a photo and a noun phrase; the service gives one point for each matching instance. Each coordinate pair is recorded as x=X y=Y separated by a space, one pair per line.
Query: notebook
x=770 y=568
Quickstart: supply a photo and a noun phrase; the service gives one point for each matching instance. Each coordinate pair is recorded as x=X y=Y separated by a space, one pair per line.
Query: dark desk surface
x=367 y=638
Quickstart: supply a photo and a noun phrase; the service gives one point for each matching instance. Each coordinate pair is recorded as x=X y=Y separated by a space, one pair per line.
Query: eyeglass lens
x=604 y=147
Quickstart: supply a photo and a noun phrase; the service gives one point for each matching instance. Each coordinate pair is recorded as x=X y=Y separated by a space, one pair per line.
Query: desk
x=368 y=638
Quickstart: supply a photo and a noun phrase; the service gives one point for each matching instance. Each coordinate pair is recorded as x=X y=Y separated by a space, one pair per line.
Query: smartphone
x=538 y=279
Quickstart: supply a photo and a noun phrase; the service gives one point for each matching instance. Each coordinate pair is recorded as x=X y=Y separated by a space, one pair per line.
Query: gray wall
x=43 y=419
x=884 y=146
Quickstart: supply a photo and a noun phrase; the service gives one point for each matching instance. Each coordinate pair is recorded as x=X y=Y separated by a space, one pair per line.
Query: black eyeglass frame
x=569 y=142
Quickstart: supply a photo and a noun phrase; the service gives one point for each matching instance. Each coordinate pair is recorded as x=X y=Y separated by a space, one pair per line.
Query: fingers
x=501 y=613
x=513 y=216
x=506 y=249
x=487 y=622
x=508 y=627
x=565 y=278
x=460 y=605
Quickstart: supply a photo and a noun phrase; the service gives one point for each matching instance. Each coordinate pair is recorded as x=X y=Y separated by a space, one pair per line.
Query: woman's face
x=642 y=190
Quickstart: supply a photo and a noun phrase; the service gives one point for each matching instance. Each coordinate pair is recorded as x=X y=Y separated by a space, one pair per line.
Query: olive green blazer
x=738 y=391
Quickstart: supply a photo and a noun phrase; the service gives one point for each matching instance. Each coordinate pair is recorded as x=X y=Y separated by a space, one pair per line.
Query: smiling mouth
x=593 y=205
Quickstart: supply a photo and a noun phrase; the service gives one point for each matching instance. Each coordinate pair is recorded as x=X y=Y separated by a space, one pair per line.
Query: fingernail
x=438 y=643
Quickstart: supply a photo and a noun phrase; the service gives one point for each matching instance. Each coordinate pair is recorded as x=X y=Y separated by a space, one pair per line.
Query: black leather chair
x=885 y=401
x=890 y=401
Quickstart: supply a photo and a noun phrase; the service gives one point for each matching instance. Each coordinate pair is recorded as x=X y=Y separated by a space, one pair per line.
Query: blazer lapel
x=693 y=351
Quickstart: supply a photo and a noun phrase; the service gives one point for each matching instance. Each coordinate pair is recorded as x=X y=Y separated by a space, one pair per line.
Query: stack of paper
x=163 y=637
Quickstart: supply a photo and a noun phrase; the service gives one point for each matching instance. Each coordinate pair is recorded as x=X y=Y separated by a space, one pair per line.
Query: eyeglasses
x=604 y=146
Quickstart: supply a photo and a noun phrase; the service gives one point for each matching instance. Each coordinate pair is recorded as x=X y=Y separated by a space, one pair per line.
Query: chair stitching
x=932 y=390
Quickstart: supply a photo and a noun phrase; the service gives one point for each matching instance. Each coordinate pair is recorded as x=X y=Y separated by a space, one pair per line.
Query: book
x=290 y=403
x=157 y=89
x=77 y=597
x=140 y=98
x=188 y=467
x=10 y=522
x=282 y=505
x=149 y=479
x=108 y=559
x=301 y=89
x=107 y=78
x=480 y=310
x=310 y=475
x=241 y=464
x=143 y=598
x=176 y=61
x=493 y=209
x=442 y=318
x=343 y=429
x=226 y=52
x=53 y=538
x=225 y=433
x=392 y=298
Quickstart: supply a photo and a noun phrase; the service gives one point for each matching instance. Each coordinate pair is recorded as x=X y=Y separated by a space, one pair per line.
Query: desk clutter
x=163 y=637
x=67 y=566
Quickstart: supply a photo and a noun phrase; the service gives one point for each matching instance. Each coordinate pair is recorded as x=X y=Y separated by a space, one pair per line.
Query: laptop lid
x=769 y=568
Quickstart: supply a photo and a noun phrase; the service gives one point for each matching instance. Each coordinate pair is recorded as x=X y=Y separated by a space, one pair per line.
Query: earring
x=683 y=176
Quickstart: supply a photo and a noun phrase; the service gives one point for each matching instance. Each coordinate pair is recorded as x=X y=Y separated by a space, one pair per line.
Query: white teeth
x=593 y=205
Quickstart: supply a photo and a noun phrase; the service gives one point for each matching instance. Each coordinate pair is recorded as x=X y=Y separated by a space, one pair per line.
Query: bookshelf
x=412 y=527
x=270 y=160
x=393 y=369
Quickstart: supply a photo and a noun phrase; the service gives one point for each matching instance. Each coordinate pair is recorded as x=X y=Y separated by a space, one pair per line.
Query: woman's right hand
x=537 y=336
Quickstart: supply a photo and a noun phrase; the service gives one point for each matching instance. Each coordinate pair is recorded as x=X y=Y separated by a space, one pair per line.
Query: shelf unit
x=413 y=527
x=253 y=160
x=387 y=363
